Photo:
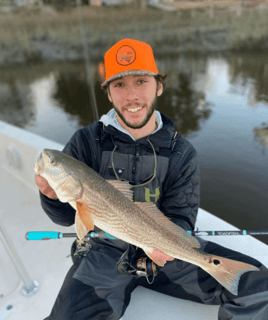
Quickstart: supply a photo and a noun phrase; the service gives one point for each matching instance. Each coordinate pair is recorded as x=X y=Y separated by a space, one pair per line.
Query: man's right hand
x=44 y=187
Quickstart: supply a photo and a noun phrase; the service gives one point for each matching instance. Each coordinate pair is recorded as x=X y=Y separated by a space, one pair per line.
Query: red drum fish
x=108 y=205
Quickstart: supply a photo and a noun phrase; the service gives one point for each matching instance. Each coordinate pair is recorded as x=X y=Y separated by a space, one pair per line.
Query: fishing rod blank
x=47 y=235
x=198 y=233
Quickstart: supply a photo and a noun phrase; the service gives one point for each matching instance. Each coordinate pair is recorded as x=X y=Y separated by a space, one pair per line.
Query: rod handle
x=43 y=235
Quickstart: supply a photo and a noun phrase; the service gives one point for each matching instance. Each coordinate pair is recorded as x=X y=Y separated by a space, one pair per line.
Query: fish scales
x=113 y=210
x=99 y=203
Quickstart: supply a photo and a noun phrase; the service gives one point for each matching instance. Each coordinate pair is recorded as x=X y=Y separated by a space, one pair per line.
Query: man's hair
x=160 y=78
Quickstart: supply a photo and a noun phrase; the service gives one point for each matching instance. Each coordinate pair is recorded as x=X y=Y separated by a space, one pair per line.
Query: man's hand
x=44 y=187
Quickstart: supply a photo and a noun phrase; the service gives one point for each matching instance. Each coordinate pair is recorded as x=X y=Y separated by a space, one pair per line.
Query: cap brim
x=127 y=73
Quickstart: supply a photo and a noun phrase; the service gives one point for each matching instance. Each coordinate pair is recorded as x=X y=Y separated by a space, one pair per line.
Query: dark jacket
x=179 y=199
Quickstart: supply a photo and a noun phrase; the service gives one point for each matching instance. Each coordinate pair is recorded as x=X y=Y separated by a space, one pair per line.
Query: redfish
x=108 y=205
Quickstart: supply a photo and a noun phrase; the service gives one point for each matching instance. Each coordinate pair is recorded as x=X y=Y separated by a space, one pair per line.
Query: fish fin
x=122 y=186
x=80 y=229
x=159 y=257
x=227 y=272
x=73 y=204
x=86 y=217
x=151 y=208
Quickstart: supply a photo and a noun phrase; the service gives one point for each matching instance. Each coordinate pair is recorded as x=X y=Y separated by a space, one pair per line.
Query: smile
x=134 y=109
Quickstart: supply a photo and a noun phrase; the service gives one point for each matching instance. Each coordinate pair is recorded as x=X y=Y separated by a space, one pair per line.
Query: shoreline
x=35 y=37
x=47 y=51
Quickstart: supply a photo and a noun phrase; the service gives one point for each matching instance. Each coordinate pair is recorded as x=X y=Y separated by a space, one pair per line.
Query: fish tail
x=228 y=272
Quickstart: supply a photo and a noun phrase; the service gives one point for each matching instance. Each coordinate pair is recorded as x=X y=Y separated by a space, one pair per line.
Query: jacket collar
x=161 y=138
x=111 y=119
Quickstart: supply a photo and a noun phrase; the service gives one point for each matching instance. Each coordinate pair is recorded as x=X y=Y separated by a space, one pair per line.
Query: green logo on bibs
x=148 y=195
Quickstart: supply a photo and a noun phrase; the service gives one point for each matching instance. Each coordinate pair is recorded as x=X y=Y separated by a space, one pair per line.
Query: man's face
x=134 y=98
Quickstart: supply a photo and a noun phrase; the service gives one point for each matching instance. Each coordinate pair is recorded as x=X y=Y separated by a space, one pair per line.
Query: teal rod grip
x=43 y=235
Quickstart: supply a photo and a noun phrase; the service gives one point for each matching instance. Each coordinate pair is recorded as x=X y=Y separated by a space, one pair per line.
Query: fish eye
x=53 y=162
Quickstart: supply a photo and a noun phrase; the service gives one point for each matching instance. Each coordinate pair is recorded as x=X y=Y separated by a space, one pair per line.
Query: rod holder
x=29 y=286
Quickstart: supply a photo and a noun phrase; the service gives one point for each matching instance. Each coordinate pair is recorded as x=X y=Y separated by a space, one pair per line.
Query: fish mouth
x=39 y=165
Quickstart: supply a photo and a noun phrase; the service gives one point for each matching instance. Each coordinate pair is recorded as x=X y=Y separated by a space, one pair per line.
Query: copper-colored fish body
x=109 y=206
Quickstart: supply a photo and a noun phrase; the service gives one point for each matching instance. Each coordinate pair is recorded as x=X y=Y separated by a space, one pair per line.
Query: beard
x=146 y=119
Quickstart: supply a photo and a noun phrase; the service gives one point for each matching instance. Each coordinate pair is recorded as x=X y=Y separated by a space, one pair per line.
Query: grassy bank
x=24 y=29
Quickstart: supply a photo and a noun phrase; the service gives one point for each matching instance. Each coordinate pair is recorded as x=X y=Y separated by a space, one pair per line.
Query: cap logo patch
x=125 y=55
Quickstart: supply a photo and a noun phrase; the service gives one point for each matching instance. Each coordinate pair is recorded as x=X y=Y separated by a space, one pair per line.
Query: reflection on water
x=16 y=105
x=219 y=103
x=186 y=106
x=72 y=93
x=247 y=71
x=261 y=134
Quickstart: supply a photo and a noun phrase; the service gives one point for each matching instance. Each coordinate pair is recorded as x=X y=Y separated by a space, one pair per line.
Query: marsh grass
x=106 y=25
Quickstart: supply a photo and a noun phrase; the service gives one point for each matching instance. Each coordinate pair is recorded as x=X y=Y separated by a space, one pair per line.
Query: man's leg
x=77 y=301
x=187 y=281
x=93 y=290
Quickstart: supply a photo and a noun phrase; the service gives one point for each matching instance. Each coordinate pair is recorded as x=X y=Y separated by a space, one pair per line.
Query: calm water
x=220 y=103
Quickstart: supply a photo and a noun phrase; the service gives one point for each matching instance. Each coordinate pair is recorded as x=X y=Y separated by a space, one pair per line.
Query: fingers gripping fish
x=108 y=205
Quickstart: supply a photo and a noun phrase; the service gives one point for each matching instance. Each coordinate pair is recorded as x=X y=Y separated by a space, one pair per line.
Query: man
x=136 y=143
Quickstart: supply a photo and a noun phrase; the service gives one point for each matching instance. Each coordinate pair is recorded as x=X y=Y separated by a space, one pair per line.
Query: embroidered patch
x=125 y=55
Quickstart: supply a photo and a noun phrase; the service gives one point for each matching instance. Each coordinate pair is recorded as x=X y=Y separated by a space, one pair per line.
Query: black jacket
x=179 y=198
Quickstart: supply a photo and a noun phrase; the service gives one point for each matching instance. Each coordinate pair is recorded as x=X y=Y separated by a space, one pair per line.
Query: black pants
x=102 y=293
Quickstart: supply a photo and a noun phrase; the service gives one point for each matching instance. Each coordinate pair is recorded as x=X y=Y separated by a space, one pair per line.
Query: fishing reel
x=137 y=265
x=146 y=265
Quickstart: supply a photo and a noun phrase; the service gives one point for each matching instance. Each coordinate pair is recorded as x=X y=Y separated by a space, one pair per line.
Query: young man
x=136 y=143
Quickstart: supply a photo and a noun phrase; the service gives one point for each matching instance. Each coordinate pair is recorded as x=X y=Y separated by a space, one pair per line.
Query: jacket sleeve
x=180 y=198
x=63 y=213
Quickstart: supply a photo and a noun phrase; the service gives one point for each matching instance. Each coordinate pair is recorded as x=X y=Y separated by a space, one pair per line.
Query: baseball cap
x=129 y=57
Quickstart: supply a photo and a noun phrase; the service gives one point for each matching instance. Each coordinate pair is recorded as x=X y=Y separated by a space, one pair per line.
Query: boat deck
x=48 y=261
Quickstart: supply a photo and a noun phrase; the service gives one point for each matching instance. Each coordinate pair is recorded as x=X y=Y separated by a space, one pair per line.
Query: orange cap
x=128 y=57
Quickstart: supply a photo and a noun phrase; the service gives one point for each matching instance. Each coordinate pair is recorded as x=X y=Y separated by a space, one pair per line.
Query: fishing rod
x=47 y=235
x=92 y=96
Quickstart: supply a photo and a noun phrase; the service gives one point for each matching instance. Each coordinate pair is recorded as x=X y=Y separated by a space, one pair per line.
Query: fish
x=109 y=205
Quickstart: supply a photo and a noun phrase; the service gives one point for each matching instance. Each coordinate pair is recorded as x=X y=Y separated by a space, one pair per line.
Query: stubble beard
x=144 y=122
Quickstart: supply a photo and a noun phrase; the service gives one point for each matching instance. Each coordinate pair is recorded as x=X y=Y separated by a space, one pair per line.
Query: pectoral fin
x=84 y=220
x=80 y=229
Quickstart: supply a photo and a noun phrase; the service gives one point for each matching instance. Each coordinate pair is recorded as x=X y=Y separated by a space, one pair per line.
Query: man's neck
x=137 y=134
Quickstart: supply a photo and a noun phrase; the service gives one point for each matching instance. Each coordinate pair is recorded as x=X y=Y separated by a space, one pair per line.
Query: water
x=220 y=103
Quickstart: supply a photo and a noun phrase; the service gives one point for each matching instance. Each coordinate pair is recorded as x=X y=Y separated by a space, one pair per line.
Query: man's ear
x=159 y=89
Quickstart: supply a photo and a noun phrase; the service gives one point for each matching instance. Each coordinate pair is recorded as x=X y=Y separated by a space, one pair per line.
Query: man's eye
x=119 y=84
x=141 y=81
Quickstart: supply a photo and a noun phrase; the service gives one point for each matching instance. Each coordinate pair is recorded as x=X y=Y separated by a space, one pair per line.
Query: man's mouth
x=134 y=109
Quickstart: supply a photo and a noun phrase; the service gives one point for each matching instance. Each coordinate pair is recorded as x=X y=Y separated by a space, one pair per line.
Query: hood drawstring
x=151 y=177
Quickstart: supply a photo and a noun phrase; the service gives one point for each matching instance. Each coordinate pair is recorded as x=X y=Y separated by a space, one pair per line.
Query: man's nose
x=132 y=93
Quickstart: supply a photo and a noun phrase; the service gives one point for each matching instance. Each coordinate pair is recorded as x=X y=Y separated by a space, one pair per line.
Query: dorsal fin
x=151 y=208
x=122 y=186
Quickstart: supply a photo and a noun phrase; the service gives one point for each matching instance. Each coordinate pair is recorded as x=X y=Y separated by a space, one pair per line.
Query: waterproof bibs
x=137 y=170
